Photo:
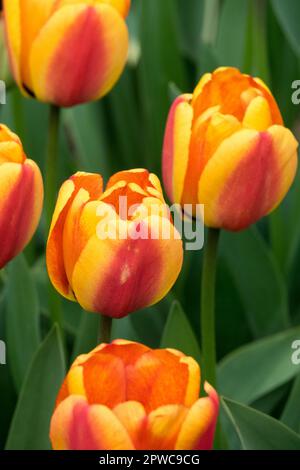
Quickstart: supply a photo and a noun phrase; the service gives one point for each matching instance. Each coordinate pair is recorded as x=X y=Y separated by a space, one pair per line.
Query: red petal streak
x=78 y=69
x=250 y=191
x=15 y=216
x=132 y=280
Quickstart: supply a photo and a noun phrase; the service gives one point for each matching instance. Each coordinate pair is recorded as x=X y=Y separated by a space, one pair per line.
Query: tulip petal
x=99 y=36
x=92 y=183
x=20 y=206
x=132 y=415
x=209 y=130
x=258 y=115
x=176 y=146
x=76 y=425
x=12 y=14
x=141 y=270
x=198 y=428
x=247 y=176
x=121 y=5
x=162 y=428
x=157 y=378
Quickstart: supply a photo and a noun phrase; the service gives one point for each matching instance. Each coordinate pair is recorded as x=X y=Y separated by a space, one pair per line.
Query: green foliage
x=258 y=296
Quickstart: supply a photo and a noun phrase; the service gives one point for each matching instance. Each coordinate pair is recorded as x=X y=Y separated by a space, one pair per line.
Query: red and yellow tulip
x=126 y=396
x=122 y=272
x=21 y=196
x=67 y=52
x=226 y=147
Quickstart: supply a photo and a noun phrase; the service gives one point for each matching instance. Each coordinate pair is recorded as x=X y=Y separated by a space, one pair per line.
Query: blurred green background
x=258 y=297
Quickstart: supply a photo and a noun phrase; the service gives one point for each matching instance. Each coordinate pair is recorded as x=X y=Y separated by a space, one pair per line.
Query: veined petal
x=99 y=36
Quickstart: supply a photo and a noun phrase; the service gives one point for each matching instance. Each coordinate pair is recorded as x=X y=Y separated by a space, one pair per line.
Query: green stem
x=51 y=163
x=50 y=199
x=105 y=329
x=208 y=340
x=208 y=330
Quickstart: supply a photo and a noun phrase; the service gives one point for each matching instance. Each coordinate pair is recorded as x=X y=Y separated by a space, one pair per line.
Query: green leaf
x=258 y=431
x=231 y=42
x=30 y=425
x=291 y=412
x=288 y=13
x=22 y=318
x=87 y=335
x=254 y=370
x=178 y=333
x=87 y=139
x=258 y=281
x=160 y=64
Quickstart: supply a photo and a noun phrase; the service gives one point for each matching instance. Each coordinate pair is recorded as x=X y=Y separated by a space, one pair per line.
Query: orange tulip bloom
x=131 y=268
x=226 y=147
x=67 y=52
x=21 y=196
x=126 y=396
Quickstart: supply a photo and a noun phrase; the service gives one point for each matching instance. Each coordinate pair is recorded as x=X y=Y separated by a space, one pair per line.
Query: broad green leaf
x=29 y=429
x=160 y=64
x=256 y=369
x=87 y=334
x=231 y=42
x=288 y=13
x=178 y=333
x=191 y=20
x=258 y=431
x=22 y=318
x=258 y=281
x=8 y=393
x=291 y=412
x=86 y=138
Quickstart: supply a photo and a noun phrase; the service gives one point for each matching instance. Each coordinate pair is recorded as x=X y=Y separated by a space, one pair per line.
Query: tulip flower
x=126 y=396
x=129 y=266
x=67 y=52
x=21 y=198
x=226 y=147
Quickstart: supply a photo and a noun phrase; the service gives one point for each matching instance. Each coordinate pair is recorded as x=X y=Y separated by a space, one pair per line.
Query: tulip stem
x=105 y=329
x=50 y=197
x=208 y=340
x=51 y=163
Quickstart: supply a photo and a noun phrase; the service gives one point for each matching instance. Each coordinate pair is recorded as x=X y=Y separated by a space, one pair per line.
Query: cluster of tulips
x=225 y=147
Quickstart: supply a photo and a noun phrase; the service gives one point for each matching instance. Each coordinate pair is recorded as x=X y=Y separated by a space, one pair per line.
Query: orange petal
x=132 y=415
x=92 y=183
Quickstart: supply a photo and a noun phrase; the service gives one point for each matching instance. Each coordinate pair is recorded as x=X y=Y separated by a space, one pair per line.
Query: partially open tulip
x=67 y=52
x=110 y=259
x=21 y=196
x=226 y=147
x=126 y=396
